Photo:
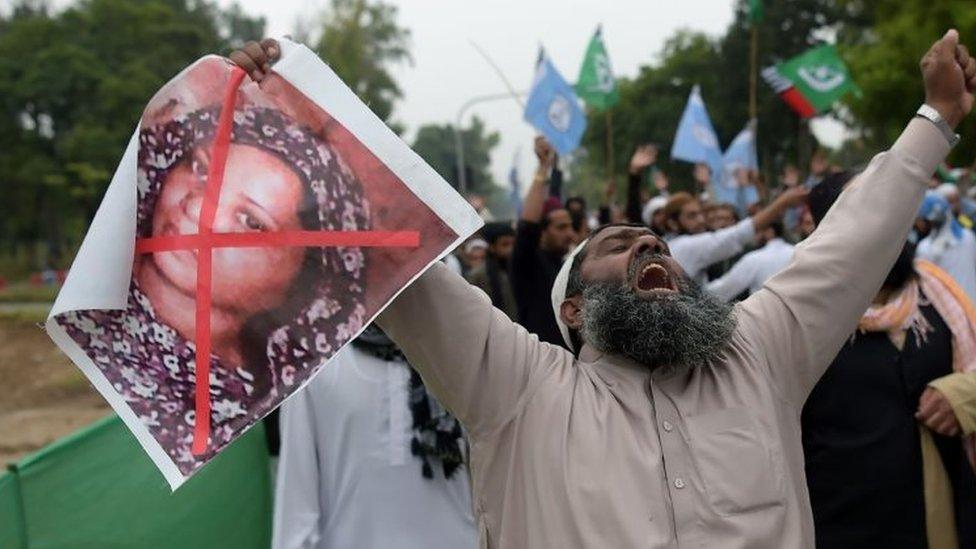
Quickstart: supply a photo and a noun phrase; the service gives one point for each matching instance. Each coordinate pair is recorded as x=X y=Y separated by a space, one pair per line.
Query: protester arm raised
x=802 y=316
x=477 y=362
x=535 y=198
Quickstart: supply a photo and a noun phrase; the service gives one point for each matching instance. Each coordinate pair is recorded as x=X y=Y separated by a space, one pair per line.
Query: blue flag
x=695 y=140
x=741 y=154
x=553 y=108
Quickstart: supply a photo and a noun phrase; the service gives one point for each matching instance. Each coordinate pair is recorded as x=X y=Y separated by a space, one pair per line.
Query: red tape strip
x=366 y=239
x=206 y=241
x=208 y=210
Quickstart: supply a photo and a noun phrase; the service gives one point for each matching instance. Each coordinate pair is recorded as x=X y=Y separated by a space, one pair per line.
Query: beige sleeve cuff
x=960 y=390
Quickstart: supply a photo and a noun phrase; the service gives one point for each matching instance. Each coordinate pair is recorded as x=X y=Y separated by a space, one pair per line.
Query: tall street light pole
x=459 y=142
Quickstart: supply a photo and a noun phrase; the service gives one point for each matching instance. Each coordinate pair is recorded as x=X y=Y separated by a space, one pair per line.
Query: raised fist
x=949 y=73
x=545 y=153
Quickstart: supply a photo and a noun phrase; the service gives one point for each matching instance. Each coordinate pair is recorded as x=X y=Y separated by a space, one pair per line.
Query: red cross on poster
x=249 y=233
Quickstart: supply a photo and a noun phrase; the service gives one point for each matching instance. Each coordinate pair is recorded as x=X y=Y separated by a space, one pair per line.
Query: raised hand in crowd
x=546 y=156
x=644 y=157
x=535 y=198
x=949 y=73
x=256 y=58
x=790 y=198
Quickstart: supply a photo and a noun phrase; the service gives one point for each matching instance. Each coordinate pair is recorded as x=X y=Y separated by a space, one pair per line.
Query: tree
x=884 y=63
x=359 y=40
x=74 y=86
x=652 y=102
x=436 y=144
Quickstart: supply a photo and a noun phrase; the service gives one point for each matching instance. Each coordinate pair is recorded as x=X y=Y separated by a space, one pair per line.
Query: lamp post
x=459 y=142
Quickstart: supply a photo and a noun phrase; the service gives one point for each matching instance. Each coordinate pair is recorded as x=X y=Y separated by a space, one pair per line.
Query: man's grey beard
x=675 y=331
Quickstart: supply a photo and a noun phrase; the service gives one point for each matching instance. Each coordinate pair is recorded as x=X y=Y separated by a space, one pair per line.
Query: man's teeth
x=654 y=277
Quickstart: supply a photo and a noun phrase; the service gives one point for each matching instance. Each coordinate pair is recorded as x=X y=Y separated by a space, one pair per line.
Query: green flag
x=812 y=81
x=756 y=12
x=596 y=84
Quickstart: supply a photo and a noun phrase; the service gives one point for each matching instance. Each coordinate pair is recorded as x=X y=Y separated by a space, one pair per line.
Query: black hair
x=497 y=229
x=576 y=200
x=825 y=193
x=778 y=228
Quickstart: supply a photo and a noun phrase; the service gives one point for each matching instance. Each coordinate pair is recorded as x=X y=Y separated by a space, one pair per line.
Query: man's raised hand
x=546 y=155
x=256 y=58
x=794 y=196
x=643 y=158
x=949 y=73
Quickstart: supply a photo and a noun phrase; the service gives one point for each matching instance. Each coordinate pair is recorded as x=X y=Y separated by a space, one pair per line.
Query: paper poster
x=248 y=234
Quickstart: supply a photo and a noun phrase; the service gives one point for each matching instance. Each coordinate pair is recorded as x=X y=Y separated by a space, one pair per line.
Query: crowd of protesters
x=870 y=425
x=611 y=396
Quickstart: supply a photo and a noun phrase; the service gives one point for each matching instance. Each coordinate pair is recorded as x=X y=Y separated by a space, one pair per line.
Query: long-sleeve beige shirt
x=598 y=451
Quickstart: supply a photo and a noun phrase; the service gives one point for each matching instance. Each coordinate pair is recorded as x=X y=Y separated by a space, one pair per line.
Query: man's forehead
x=620 y=233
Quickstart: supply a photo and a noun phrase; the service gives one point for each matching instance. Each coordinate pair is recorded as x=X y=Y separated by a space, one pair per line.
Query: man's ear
x=571 y=312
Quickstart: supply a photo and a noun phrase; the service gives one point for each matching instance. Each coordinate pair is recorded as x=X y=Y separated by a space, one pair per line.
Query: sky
x=448 y=71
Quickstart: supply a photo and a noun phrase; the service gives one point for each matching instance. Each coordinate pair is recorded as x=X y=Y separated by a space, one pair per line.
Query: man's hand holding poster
x=250 y=231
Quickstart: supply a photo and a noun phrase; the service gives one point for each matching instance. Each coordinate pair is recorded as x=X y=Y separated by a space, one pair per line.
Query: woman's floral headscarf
x=335 y=310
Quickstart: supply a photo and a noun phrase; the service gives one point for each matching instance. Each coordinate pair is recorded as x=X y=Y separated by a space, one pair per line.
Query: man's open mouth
x=653 y=279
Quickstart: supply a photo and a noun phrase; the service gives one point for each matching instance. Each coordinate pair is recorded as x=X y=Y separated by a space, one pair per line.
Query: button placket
x=676 y=460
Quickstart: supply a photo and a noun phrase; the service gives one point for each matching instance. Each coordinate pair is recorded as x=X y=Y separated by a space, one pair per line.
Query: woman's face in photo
x=260 y=193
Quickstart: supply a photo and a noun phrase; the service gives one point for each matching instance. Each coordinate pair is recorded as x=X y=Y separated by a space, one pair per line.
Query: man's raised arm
x=802 y=316
x=475 y=360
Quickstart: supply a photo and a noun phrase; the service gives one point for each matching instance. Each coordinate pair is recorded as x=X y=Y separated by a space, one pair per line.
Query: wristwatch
x=934 y=117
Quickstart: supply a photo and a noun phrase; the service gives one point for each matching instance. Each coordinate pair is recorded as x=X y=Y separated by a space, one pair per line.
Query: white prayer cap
x=652 y=206
x=559 y=292
x=947 y=190
x=475 y=244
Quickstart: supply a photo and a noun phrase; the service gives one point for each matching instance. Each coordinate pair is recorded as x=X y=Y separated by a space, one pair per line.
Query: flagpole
x=609 y=143
x=754 y=61
x=511 y=89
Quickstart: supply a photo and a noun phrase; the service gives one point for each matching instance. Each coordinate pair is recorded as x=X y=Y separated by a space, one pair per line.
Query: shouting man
x=678 y=422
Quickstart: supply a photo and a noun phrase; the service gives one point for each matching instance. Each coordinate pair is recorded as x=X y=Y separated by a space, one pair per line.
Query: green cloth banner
x=596 y=85
x=11 y=515
x=97 y=488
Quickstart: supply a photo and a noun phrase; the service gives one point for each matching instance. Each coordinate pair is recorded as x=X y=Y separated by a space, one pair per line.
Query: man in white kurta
x=346 y=476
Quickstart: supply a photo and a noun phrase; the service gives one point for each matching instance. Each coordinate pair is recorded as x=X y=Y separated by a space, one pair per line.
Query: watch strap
x=929 y=113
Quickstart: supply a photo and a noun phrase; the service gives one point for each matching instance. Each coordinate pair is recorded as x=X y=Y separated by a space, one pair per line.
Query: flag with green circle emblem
x=812 y=81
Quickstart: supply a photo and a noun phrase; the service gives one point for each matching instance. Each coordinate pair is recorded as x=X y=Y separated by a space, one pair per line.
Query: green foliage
x=435 y=143
x=884 y=62
x=359 y=40
x=75 y=83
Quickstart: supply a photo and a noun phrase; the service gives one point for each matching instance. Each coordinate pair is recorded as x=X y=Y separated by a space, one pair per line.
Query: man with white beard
x=677 y=424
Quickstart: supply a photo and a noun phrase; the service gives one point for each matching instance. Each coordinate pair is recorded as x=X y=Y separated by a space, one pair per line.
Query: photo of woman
x=277 y=314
